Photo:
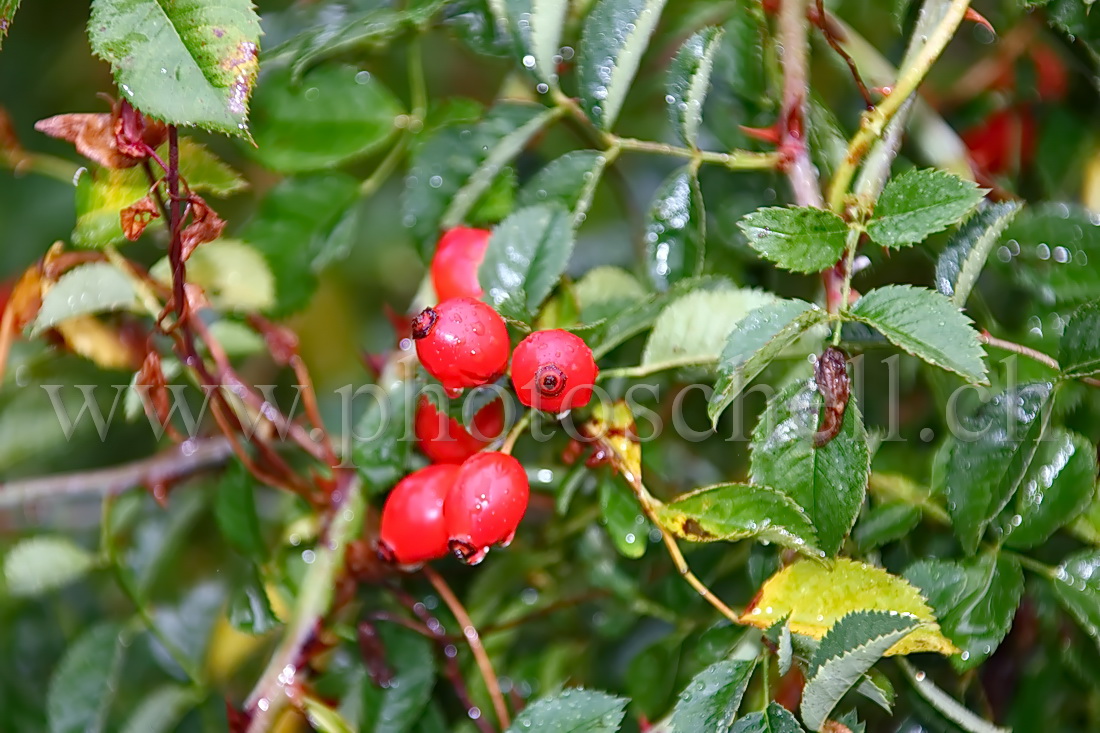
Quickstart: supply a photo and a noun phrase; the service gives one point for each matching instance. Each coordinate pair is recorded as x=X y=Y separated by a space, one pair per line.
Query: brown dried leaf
x=138 y=216
x=136 y=134
x=205 y=226
x=114 y=140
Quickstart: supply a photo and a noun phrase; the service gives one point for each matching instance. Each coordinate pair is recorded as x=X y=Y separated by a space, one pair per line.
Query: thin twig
x=1033 y=354
x=1020 y=349
x=173 y=464
x=470 y=632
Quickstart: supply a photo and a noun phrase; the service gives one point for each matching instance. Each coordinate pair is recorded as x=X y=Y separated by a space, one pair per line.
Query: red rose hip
x=444 y=439
x=485 y=504
x=461 y=342
x=413 y=529
x=553 y=371
x=457 y=259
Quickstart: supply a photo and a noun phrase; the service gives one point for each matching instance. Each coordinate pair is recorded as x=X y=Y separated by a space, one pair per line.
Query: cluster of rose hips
x=470 y=499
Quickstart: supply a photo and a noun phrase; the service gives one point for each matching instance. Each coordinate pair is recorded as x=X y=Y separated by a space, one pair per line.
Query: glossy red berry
x=445 y=440
x=485 y=504
x=413 y=529
x=457 y=259
x=553 y=371
x=461 y=342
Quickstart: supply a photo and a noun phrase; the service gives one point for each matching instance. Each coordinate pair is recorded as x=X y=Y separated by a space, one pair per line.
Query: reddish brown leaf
x=136 y=134
x=975 y=17
x=138 y=216
x=114 y=140
x=205 y=226
x=281 y=341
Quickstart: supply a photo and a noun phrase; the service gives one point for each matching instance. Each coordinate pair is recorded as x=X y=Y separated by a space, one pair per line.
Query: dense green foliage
x=841 y=470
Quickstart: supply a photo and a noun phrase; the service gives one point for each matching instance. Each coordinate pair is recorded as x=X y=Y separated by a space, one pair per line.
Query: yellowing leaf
x=815 y=595
x=614 y=428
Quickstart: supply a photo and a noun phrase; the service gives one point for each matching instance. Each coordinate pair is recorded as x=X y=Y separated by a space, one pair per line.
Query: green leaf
x=490 y=167
x=828 y=482
x=84 y=683
x=605 y=291
x=571 y=711
x=797 y=238
x=693 y=329
x=292 y=228
x=235 y=512
x=845 y=654
x=1080 y=352
x=526 y=257
x=341 y=33
x=1052 y=250
x=623 y=518
x=885 y=523
x=689 y=82
x=161 y=710
x=381 y=447
x=743 y=57
x=444 y=160
x=191 y=64
x=615 y=36
x=97 y=287
x=479 y=27
x=785 y=652
x=975 y=601
x=985 y=469
x=234 y=275
x=563 y=180
x=736 y=512
x=1059 y=483
x=397 y=707
x=640 y=316
x=925 y=324
x=774 y=719
x=675 y=230
x=7 y=12
x=919 y=203
x=963 y=259
x=754 y=342
x=1077 y=585
x=537 y=26
x=38 y=565
x=335 y=114
x=249 y=608
x=710 y=701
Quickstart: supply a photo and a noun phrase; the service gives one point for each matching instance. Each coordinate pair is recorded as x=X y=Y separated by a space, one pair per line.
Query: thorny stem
x=470 y=632
x=793 y=32
x=909 y=79
x=173 y=464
